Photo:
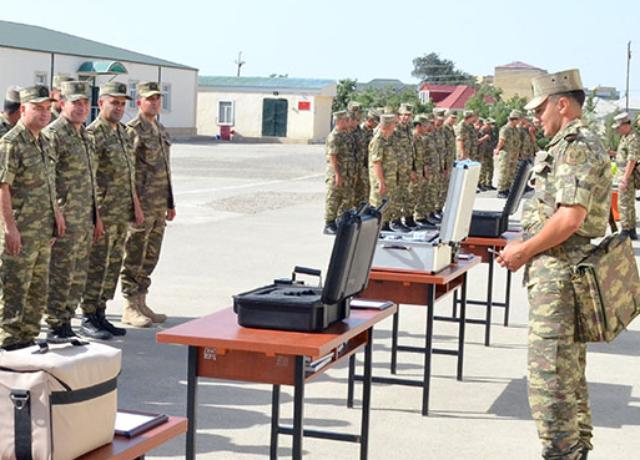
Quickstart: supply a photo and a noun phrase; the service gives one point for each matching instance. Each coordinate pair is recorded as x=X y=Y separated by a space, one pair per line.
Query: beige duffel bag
x=57 y=402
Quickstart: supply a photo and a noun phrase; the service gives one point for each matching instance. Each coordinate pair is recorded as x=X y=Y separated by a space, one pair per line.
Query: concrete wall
x=19 y=68
x=302 y=125
x=514 y=82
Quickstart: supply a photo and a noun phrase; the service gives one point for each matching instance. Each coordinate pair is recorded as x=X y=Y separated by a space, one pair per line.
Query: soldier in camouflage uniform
x=570 y=207
x=118 y=205
x=361 y=175
x=151 y=143
x=30 y=219
x=466 y=137
x=508 y=149
x=527 y=140
x=75 y=189
x=438 y=177
x=340 y=171
x=368 y=128
x=417 y=187
x=56 y=98
x=403 y=147
x=627 y=158
x=427 y=167
x=11 y=114
x=383 y=168
x=486 y=144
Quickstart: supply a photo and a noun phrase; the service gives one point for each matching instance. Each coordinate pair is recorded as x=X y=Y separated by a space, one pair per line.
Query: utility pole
x=239 y=62
x=628 y=63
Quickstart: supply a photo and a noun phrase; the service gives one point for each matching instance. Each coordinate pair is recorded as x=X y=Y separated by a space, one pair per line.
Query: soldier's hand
x=414 y=176
x=138 y=215
x=381 y=188
x=513 y=256
x=60 y=225
x=496 y=152
x=622 y=185
x=338 y=180
x=171 y=214
x=98 y=230
x=13 y=241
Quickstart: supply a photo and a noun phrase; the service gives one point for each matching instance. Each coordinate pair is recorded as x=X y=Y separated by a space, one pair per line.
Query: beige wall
x=307 y=125
x=515 y=82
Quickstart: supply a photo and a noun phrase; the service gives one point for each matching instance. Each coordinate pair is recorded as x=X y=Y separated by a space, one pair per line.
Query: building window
x=424 y=97
x=133 y=94
x=41 y=78
x=225 y=112
x=166 y=97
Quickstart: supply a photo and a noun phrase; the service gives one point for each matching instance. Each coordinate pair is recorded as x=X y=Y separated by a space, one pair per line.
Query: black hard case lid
x=523 y=173
x=352 y=254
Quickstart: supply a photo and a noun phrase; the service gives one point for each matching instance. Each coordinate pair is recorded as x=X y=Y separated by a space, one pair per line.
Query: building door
x=274 y=117
x=95 y=95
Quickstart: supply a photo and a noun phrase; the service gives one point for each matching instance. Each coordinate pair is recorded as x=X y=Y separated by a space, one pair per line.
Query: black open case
x=290 y=304
x=492 y=224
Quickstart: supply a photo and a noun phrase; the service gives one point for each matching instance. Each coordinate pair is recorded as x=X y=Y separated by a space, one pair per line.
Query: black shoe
x=630 y=233
x=503 y=194
x=331 y=228
x=585 y=454
x=385 y=227
x=437 y=215
x=396 y=226
x=108 y=326
x=435 y=218
x=17 y=346
x=424 y=224
x=409 y=222
x=91 y=327
x=491 y=187
x=61 y=334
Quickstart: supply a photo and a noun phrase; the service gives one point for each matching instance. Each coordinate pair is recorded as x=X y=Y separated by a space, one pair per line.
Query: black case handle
x=307 y=271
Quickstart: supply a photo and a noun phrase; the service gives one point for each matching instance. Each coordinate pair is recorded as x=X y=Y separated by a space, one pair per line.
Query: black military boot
x=396 y=226
x=503 y=194
x=92 y=327
x=409 y=222
x=17 y=346
x=61 y=334
x=331 y=228
x=437 y=216
x=107 y=325
x=633 y=235
x=385 y=227
x=426 y=224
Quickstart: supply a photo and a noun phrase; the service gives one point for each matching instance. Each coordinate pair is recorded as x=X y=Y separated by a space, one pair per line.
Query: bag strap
x=22 y=423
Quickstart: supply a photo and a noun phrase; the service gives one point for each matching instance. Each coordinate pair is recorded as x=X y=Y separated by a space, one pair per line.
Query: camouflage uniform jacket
x=26 y=164
x=361 y=146
x=340 y=144
x=403 y=138
x=449 y=145
x=151 y=143
x=574 y=171
x=115 y=175
x=440 y=142
x=466 y=133
x=511 y=138
x=628 y=150
x=368 y=135
x=382 y=151
x=5 y=126
x=527 y=146
x=421 y=151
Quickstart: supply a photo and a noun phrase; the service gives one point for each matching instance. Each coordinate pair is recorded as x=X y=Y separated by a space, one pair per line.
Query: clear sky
x=358 y=39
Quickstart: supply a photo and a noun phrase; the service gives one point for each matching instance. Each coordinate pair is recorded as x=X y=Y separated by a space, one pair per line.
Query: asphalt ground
x=247 y=214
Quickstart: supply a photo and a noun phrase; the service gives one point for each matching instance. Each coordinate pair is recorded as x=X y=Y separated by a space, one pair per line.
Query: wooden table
x=484 y=248
x=123 y=448
x=220 y=348
x=417 y=288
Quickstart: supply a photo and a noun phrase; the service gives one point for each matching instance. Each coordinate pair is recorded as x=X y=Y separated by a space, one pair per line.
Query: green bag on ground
x=607 y=288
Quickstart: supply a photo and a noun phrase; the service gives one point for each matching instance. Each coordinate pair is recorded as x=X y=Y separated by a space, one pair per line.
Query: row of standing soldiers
x=408 y=159
x=82 y=206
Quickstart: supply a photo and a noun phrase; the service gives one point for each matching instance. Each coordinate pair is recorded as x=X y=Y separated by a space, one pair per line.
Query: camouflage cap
x=373 y=114
x=553 y=83
x=148 y=88
x=468 y=113
x=12 y=95
x=490 y=121
x=354 y=106
x=74 y=90
x=405 y=109
x=621 y=119
x=340 y=115
x=439 y=111
x=387 y=109
x=115 y=89
x=387 y=119
x=417 y=120
x=35 y=94
x=451 y=113
x=58 y=80
x=423 y=119
x=515 y=114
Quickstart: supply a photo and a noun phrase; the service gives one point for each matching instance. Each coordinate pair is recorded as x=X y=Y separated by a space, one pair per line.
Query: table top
x=123 y=448
x=444 y=276
x=220 y=330
x=501 y=241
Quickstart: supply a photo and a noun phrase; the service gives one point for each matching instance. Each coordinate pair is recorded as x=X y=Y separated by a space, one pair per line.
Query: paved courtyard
x=248 y=214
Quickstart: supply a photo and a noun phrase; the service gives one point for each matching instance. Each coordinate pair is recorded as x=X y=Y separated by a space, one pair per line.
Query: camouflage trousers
x=339 y=199
x=508 y=167
x=404 y=202
x=486 y=168
x=558 y=393
x=105 y=262
x=627 y=206
x=362 y=187
x=430 y=195
x=443 y=189
x=24 y=283
x=142 y=251
x=375 y=198
x=68 y=274
x=418 y=191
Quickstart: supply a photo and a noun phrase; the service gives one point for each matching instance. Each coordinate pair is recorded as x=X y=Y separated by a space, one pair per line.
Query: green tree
x=431 y=68
x=488 y=102
x=374 y=97
x=345 y=90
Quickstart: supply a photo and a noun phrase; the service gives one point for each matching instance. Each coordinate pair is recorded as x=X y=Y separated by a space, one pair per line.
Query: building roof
x=35 y=38
x=437 y=88
x=385 y=83
x=270 y=83
x=458 y=98
x=519 y=65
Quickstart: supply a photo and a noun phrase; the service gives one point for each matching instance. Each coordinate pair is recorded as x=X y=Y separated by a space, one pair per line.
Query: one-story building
x=259 y=108
x=33 y=55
